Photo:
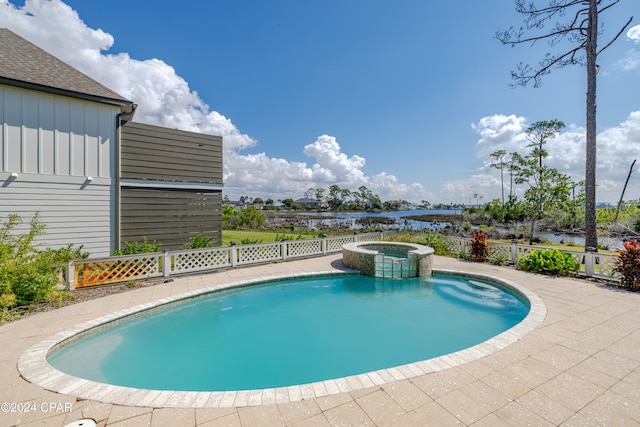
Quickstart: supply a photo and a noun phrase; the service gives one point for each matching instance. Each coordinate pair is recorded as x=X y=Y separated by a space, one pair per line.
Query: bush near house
x=144 y=247
x=28 y=274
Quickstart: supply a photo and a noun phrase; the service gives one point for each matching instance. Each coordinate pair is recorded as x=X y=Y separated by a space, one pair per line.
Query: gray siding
x=155 y=153
x=55 y=135
x=73 y=212
x=54 y=143
x=184 y=170
x=171 y=217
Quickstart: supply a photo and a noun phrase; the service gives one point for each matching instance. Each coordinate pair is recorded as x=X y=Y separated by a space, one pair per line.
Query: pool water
x=293 y=332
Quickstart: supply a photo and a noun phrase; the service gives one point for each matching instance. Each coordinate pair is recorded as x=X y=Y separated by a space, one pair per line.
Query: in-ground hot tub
x=390 y=260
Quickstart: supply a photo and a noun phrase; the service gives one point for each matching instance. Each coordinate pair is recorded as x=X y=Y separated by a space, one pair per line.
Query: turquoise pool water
x=293 y=332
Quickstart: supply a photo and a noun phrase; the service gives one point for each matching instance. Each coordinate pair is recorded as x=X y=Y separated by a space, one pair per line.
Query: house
x=306 y=202
x=69 y=150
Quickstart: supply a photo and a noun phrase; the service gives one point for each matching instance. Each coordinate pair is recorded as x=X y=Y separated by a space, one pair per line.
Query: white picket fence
x=98 y=271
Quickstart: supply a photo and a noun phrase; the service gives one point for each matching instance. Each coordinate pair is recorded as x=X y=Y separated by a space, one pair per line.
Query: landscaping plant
x=200 y=241
x=549 y=261
x=479 y=246
x=28 y=274
x=627 y=264
x=144 y=247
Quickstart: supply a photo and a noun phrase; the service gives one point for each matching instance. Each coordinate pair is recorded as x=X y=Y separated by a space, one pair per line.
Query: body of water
x=352 y=220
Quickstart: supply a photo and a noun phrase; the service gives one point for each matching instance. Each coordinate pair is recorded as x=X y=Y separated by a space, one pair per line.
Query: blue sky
x=408 y=98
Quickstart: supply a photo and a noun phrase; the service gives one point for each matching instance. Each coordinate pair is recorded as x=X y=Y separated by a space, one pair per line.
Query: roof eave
x=125 y=105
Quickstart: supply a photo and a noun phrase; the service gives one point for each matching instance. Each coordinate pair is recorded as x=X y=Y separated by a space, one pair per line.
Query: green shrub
x=402 y=238
x=549 y=261
x=248 y=241
x=200 y=241
x=479 y=246
x=28 y=274
x=496 y=258
x=436 y=241
x=132 y=248
x=627 y=264
x=283 y=237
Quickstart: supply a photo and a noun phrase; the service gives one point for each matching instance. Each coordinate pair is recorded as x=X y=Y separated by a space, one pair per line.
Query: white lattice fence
x=298 y=248
x=334 y=244
x=117 y=269
x=259 y=253
x=369 y=237
x=455 y=244
x=501 y=250
x=201 y=259
x=604 y=265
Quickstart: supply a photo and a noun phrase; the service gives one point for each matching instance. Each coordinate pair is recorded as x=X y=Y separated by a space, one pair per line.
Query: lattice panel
x=335 y=244
x=579 y=258
x=201 y=260
x=260 y=253
x=119 y=270
x=604 y=266
x=304 y=247
x=500 y=250
x=388 y=234
x=525 y=250
x=455 y=246
x=369 y=237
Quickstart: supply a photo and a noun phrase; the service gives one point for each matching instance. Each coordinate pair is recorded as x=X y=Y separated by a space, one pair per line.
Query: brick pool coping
x=34 y=367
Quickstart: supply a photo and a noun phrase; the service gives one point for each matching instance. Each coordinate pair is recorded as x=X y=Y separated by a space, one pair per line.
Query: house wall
x=161 y=154
x=171 y=217
x=53 y=143
x=171 y=185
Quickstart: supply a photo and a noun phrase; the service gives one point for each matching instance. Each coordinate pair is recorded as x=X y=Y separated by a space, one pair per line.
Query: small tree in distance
x=547 y=187
x=500 y=164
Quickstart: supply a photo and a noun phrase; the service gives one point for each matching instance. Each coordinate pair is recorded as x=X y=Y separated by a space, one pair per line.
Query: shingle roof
x=24 y=64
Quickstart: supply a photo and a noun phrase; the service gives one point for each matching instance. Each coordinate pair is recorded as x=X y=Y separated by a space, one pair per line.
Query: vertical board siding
x=170 y=217
x=53 y=142
x=55 y=135
x=63 y=137
x=12 y=141
x=73 y=213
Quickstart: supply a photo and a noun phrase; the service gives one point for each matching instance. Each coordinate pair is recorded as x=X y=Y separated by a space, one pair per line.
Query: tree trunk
x=591 y=238
x=623 y=190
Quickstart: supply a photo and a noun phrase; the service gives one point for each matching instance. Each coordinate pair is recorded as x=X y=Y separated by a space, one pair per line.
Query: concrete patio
x=580 y=367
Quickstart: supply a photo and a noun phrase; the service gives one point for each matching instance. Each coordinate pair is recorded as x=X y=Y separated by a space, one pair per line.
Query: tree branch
x=616 y=37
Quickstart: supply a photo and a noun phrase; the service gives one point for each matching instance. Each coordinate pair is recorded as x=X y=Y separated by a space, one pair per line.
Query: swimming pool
x=293 y=331
x=418 y=294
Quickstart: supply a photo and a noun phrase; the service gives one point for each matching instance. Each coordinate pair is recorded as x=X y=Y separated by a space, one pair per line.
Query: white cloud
x=616 y=149
x=499 y=132
x=164 y=98
x=631 y=59
x=634 y=33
